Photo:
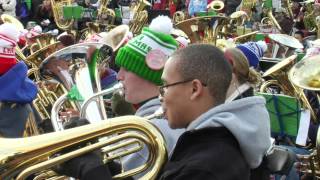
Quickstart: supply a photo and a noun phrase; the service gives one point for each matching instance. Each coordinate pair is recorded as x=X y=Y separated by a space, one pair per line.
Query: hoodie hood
x=16 y=86
x=247 y=119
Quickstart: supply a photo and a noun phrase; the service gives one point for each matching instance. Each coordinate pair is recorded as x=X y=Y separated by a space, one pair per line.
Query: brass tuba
x=57 y=9
x=105 y=13
x=178 y=16
x=140 y=16
x=306 y=74
x=216 y=5
x=20 y=158
x=279 y=73
x=76 y=67
x=212 y=28
x=238 y=18
x=41 y=41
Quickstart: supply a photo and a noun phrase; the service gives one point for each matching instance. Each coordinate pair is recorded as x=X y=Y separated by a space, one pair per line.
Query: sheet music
x=303 y=128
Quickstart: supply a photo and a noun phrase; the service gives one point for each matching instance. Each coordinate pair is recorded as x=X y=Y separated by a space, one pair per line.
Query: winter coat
x=235 y=134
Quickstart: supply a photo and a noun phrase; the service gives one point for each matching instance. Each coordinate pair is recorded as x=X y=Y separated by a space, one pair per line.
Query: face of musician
x=195 y=79
x=180 y=97
x=136 y=89
x=174 y=98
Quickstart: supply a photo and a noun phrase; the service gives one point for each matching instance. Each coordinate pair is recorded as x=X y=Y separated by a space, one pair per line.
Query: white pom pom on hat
x=161 y=24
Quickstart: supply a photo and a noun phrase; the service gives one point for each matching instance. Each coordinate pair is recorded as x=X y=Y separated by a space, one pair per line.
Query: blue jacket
x=16 y=87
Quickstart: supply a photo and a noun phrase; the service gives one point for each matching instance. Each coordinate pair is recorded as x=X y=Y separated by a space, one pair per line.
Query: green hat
x=146 y=53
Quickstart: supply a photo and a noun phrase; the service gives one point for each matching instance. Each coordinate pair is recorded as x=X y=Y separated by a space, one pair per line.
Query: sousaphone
x=280 y=78
x=76 y=67
x=306 y=74
x=204 y=29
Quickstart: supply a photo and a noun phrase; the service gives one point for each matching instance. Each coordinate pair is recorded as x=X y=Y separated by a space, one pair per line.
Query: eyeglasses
x=163 y=88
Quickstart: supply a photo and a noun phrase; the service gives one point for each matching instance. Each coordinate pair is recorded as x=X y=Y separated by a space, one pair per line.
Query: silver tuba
x=77 y=69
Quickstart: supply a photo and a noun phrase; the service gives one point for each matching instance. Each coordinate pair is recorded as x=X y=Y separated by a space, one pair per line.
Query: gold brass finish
x=76 y=67
x=38 y=56
x=25 y=156
x=10 y=19
x=57 y=9
x=178 y=16
x=306 y=73
x=212 y=28
x=310 y=164
x=216 y=5
x=140 y=16
x=239 y=17
x=41 y=41
x=279 y=73
x=273 y=20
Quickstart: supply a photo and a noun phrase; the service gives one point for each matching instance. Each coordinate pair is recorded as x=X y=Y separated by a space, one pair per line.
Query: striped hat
x=9 y=36
x=145 y=54
x=254 y=51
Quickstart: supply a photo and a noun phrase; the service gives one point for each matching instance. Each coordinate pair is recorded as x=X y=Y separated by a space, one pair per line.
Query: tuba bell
x=21 y=158
x=216 y=5
x=178 y=16
x=117 y=37
x=306 y=73
x=76 y=67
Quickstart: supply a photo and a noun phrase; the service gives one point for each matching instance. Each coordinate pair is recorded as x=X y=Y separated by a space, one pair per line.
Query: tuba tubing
x=26 y=156
x=56 y=122
x=116 y=87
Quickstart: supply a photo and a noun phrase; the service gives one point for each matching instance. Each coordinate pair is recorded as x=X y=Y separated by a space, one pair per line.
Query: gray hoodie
x=171 y=136
x=247 y=119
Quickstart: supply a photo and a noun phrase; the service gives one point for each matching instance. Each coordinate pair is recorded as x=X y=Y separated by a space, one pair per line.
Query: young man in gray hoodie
x=222 y=140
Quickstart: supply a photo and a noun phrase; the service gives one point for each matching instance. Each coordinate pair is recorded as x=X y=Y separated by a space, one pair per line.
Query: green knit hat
x=146 y=53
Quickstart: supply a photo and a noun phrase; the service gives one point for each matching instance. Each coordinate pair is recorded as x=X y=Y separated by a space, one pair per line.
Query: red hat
x=8 y=41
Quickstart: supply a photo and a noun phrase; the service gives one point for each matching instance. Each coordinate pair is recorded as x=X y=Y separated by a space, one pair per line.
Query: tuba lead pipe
x=116 y=87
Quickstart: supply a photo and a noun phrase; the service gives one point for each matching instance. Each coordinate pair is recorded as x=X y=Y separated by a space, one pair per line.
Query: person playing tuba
x=141 y=63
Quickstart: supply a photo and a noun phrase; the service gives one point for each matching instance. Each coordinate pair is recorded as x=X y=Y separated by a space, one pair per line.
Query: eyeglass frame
x=162 y=91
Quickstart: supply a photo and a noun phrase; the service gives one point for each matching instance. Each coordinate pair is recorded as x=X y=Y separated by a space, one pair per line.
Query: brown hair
x=240 y=66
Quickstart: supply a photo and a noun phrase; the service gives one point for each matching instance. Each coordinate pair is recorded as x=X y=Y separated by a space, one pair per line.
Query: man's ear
x=197 y=89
